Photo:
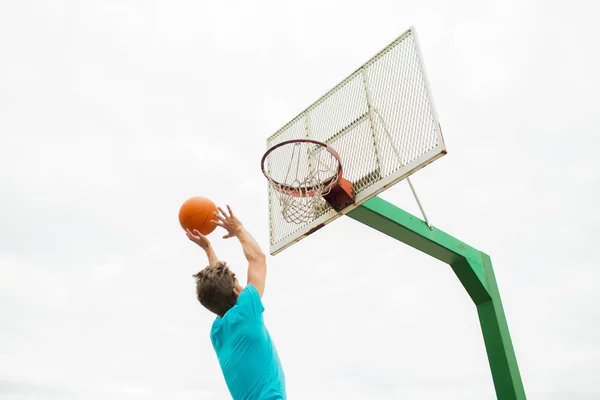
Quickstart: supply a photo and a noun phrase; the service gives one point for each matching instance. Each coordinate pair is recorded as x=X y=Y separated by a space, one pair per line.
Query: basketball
x=196 y=213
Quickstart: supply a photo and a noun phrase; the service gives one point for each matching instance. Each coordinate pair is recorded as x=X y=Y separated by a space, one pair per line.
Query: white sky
x=112 y=113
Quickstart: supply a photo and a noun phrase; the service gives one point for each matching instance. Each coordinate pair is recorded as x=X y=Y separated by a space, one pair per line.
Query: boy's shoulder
x=245 y=314
x=249 y=302
x=248 y=305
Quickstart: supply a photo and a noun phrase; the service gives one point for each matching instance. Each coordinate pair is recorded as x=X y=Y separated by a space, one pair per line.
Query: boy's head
x=217 y=288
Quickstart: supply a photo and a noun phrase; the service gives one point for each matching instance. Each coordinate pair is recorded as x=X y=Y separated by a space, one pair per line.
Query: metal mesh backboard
x=382 y=122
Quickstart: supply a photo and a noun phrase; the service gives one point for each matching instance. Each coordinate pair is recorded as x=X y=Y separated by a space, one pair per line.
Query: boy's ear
x=236 y=292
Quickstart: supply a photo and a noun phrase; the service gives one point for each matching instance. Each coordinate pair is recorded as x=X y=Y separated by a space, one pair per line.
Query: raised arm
x=204 y=243
x=257 y=261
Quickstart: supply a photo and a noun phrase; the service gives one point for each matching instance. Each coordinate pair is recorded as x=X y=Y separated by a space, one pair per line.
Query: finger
x=223 y=212
x=218 y=216
x=197 y=233
x=218 y=223
x=230 y=212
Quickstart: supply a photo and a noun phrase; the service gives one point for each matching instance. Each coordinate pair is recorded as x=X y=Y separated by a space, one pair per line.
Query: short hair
x=214 y=288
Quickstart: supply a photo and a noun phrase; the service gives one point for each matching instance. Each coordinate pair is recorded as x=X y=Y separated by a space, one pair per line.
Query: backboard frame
x=383 y=184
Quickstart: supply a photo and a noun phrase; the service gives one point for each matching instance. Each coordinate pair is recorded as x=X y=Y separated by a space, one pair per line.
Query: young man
x=248 y=358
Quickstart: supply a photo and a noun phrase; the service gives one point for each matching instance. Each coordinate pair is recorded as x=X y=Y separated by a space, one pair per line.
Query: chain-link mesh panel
x=382 y=122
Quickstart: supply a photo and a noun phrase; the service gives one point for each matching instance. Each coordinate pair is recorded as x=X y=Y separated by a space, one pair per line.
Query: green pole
x=474 y=270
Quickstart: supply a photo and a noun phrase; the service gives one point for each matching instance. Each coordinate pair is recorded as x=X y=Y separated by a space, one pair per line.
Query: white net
x=310 y=173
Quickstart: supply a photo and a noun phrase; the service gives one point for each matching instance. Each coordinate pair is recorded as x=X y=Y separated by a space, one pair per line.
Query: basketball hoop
x=312 y=180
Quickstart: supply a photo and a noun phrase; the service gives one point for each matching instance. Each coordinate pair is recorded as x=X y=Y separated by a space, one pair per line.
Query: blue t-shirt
x=246 y=353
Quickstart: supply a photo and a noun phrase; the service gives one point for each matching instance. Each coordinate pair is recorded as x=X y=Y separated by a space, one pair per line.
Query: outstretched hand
x=198 y=238
x=230 y=223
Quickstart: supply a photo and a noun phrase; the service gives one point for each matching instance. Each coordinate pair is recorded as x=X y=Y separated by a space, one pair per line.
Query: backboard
x=382 y=122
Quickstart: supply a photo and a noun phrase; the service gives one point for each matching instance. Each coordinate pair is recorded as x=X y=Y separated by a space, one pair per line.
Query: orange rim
x=311 y=190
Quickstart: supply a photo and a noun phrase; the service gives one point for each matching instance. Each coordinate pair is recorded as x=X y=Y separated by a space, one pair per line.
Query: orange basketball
x=196 y=213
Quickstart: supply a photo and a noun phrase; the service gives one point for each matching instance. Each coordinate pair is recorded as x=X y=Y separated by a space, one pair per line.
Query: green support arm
x=474 y=270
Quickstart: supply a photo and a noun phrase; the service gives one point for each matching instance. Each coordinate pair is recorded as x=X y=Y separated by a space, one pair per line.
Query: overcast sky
x=112 y=113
